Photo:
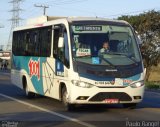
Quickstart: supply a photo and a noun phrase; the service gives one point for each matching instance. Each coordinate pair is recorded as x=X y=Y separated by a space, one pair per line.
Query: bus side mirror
x=61 y=42
x=139 y=40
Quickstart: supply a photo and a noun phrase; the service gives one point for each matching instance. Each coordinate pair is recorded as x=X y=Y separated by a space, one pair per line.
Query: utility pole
x=42 y=6
x=15 y=13
x=15 y=20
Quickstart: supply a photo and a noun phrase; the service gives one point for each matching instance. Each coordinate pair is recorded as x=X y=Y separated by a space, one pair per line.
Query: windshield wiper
x=128 y=56
x=83 y=56
x=100 y=56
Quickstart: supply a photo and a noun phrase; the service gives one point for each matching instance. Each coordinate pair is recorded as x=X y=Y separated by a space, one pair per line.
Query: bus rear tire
x=130 y=105
x=29 y=94
x=68 y=107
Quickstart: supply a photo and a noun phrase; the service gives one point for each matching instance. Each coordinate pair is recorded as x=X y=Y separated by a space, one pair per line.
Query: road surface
x=17 y=110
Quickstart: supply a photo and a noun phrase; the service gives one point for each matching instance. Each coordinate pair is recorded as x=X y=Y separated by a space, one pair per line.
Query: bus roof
x=74 y=18
x=48 y=20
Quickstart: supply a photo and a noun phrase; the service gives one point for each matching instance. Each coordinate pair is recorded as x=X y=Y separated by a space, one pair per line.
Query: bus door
x=61 y=51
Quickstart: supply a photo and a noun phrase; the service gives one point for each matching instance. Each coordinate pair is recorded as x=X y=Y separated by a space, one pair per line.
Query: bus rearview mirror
x=139 y=39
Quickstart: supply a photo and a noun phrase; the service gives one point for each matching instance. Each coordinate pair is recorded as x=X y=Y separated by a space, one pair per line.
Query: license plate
x=111 y=101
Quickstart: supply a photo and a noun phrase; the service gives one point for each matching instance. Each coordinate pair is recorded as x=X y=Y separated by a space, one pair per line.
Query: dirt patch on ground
x=155 y=74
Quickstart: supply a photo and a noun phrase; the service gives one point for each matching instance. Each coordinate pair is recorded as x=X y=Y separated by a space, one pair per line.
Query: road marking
x=153 y=92
x=49 y=111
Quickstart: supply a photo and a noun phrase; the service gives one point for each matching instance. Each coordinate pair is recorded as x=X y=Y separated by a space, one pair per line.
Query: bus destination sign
x=88 y=28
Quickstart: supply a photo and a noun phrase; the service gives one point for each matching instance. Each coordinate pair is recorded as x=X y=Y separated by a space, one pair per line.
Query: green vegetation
x=148 y=27
x=152 y=85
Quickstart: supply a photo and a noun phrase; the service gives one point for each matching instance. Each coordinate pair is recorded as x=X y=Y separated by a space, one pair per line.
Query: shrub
x=152 y=85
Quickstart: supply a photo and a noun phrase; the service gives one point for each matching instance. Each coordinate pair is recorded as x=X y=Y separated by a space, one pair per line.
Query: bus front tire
x=68 y=107
x=130 y=105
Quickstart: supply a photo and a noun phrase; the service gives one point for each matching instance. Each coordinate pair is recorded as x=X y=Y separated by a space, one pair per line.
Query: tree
x=148 y=27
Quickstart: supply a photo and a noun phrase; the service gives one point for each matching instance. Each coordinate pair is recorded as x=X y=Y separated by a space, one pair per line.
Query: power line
x=57 y=3
x=54 y=3
x=75 y=9
x=128 y=13
x=70 y=2
x=31 y=14
x=62 y=2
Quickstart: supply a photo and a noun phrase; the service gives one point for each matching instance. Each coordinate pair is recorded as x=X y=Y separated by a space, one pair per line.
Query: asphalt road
x=17 y=110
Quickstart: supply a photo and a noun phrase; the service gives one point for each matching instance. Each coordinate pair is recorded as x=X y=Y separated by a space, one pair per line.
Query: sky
x=92 y=8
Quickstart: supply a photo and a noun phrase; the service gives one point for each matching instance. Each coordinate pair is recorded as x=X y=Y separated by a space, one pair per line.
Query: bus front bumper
x=96 y=95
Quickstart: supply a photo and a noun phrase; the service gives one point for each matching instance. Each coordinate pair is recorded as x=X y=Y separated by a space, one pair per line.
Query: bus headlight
x=81 y=84
x=137 y=84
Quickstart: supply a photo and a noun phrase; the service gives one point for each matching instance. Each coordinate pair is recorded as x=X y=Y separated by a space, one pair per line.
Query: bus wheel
x=29 y=94
x=130 y=105
x=68 y=106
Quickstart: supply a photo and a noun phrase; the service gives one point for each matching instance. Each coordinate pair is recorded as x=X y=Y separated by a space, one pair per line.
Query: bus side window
x=15 y=43
x=27 y=40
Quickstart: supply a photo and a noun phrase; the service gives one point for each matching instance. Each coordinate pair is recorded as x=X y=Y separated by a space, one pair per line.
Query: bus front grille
x=121 y=96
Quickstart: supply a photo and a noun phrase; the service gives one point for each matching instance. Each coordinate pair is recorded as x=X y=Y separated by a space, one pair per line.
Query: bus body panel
x=40 y=74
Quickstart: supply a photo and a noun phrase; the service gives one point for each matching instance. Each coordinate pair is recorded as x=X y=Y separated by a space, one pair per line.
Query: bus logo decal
x=34 y=68
x=127 y=81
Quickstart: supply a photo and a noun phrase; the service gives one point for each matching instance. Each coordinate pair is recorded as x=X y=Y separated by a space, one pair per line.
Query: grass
x=152 y=85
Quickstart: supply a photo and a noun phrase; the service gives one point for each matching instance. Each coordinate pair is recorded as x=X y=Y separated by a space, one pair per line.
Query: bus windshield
x=88 y=44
